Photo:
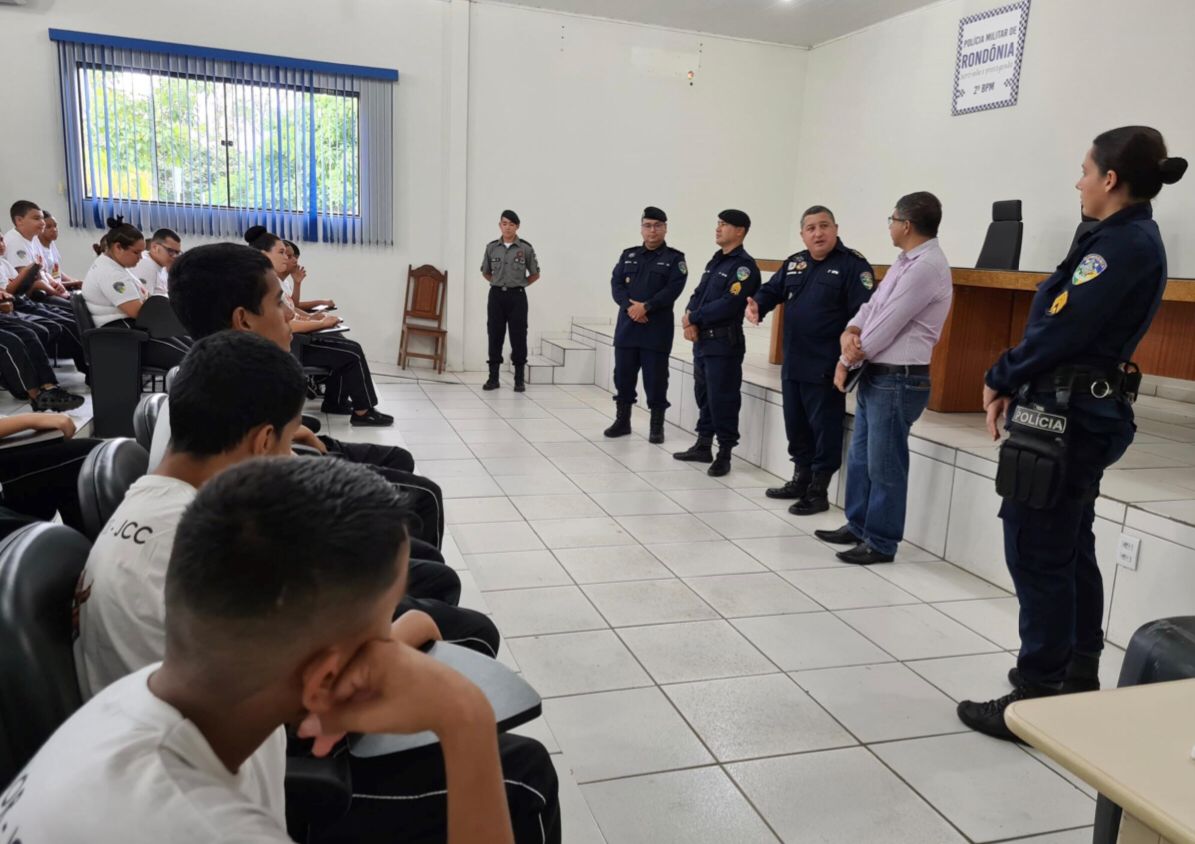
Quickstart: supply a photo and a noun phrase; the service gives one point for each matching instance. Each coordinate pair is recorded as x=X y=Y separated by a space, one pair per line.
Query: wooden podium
x=988 y=315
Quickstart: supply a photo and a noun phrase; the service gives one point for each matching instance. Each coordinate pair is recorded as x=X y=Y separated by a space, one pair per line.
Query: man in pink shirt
x=894 y=335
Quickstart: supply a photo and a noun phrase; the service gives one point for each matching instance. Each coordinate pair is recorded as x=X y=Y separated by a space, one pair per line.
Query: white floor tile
x=464 y=511
x=620 y=734
x=785 y=553
x=645 y=503
x=566 y=506
x=577 y=663
x=588 y=465
x=711 y=500
x=993 y=618
x=582 y=533
x=839 y=795
x=916 y=632
x=809 y=640
x=938 y=581
x=748 y=524
x=680 y=479
x=690 y=559
x=699 y=806
x=750 y=717
x=699 y=650
x=980 y=677
x=552 y=484
x=740 y=595
x=881 y=702
x=495 y=536
x=516 y=570
x=988 y=788
x=469 y=487
x=518 y=466
x=517 y=448
x=668 y=528
x=534 y=612
x=611 y=563
x=847 y=587
x=648 y=602
x=574 y=809
x=611 y=482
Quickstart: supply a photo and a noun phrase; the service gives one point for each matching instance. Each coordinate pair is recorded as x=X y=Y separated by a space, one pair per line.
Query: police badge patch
x=868 y=280
x=792 y=265
x=118 y=286
x=802 y=265
x=742 y=274
x=683 y=267
x=1090 y=267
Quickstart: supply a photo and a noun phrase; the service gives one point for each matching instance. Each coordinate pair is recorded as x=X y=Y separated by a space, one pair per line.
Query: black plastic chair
x=1159 y=652
x=145 y=417
x=39 y=567
x=104 y=478
x=113 y=356
x=1002 y=245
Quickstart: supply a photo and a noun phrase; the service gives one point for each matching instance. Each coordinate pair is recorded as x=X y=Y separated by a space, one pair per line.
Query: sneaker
x=987 y=717
x=56 y=400
x=371 y=419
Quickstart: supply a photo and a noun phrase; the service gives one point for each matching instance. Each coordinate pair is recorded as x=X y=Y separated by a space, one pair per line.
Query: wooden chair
x=427 y=291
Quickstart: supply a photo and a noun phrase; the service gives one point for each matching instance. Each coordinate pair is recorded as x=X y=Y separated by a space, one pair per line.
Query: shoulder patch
x=683 y=267
x=119 y=286
x=735 y=289
x=868 y=280
x=742 y=274
x=1090 y=267
x=1059 y=302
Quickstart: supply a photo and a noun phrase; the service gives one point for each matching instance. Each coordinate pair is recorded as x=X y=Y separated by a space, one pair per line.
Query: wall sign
x=987 y=69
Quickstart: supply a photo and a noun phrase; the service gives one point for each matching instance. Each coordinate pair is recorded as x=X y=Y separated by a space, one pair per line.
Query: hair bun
x=115 y=222
x=1172 y=169
x=253 y=233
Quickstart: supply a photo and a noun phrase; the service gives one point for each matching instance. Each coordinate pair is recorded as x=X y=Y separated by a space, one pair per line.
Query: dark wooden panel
x=975 y=333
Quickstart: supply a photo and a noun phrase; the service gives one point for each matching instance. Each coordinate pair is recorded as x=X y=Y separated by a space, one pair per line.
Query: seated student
x=47 y=242
x=114 y=296
x=24 y=367
x=39 y=479
x=349 y=389
x=265 y=626
x=226 y=285
x=44 y=304
x=121 y=611
x=154 y=267
x=293 y=281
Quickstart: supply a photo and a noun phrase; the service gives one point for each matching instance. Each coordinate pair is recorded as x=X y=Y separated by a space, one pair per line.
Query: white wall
x=877 y=123
x=577 y=124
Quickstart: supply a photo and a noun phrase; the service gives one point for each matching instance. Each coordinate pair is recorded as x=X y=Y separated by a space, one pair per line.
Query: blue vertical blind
x=213 y=141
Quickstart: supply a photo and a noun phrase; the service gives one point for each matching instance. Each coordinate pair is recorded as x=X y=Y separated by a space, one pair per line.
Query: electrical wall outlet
x=1126 y=551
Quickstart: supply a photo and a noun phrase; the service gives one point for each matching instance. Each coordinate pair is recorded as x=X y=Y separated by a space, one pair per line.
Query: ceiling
x=802 y=23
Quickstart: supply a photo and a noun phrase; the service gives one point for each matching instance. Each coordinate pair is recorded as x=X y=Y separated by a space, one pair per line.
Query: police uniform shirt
x=656 y=278
x=819 y=298
x=510 y=265
x=129 y=768
x=1093 y=310
x=720 y=299
x=122 y=592
x=152 y=276
x=106 y=287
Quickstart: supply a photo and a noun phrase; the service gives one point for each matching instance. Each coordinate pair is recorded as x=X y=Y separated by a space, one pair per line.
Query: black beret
x=651 y=212
x=735 y=217
x=510 y=215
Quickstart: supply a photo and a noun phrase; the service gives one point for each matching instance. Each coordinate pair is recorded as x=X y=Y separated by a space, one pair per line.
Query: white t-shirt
x=122 y=592
x=51 y=258
x=128 y=768
x=20 y=252
x=7 y=272
x=108 y=285
x=152 y=276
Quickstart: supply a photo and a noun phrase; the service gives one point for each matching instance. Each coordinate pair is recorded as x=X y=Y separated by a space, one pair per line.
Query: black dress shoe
x=842 y=536
x=987 y=717
x=1070 y=685
x=863 y=555
x=371 y=419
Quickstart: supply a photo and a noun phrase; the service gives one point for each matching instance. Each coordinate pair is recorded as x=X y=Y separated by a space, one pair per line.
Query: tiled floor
x=710 y=672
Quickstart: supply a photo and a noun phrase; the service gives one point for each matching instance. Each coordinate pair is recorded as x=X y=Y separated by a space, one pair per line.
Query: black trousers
x=60 y=329
x=627 y=363
x=813 y=417
x=507 y=309
x=23 y=362
x=459 y=625
x=717 y=382
x=350 y=382
x=1051 y=557
x=402 y=797
x=42 y=479
x=159 y=352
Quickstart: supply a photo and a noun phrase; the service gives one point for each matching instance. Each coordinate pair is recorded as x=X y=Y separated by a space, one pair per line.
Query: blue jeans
x=877 y=480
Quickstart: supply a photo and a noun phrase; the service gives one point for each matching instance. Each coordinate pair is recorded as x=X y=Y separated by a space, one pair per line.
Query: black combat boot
x=699 y=453
x=656 y=432
x=622 y=421
x=795 y=488
x=721 y=464
x=492 y=382
x=1082 y=674
x=816 y=498
x=519 y=386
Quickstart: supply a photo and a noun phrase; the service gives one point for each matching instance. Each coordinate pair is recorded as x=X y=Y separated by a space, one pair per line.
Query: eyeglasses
x=654 y=226
x=892 y=220
x=173 y=253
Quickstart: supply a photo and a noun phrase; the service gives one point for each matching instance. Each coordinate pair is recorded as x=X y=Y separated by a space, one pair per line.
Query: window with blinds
x=212 y=142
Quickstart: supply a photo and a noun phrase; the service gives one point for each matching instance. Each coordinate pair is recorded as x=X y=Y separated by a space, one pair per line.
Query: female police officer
x=1070 y=385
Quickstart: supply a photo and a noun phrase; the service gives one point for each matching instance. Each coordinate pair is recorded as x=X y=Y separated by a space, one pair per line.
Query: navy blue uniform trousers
x=813 y=416
x=627 y=363
x=717 y=382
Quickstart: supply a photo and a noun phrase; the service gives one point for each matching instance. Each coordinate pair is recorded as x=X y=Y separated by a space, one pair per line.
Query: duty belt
x=1067 y=381
x=505 y=287
x=733 y=332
